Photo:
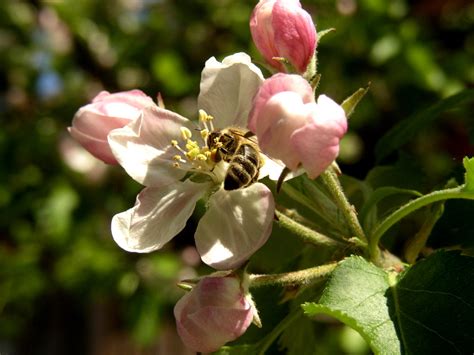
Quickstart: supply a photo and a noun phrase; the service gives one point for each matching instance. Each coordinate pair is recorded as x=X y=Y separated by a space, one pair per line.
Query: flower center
x=195 y=154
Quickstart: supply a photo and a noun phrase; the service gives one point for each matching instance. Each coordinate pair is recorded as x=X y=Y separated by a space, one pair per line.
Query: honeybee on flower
x=176 y=162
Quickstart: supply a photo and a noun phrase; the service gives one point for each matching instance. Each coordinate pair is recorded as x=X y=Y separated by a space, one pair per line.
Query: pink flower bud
x=291 y=127
x=213 y=313
x=93 y=122
x=281 y=28
x=277 y=83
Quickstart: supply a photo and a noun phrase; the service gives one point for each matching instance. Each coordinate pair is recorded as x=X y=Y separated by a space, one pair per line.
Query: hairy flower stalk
x=294 y=278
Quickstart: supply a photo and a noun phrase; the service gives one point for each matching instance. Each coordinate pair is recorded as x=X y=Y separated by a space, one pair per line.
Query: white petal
x=271 y=168
x=236 y=225
x=227 y=89
x=144 y=148
x=158 y=215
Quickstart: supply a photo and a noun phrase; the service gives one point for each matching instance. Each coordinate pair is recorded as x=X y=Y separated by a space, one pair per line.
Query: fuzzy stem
x=304 y=233
x=293 y=278
x=331 y=180
x=410 y=207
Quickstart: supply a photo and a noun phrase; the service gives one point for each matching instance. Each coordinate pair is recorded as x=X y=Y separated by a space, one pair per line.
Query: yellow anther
x=201 y=157
x=190 y=145
x=204 y=133
x=174 y=143
x=186 y=133
x=192 y=153
x=176 y=165
x=203 y=116
x=177 y=157
x=207 y=153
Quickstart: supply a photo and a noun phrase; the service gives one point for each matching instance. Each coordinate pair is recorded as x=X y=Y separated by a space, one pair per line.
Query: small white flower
x=162 y=149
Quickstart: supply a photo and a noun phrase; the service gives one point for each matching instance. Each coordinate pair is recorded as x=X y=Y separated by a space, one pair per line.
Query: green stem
x=293 y=278
x=411 y=206
x=418 y=241
x=304 y=233
x=331 y=180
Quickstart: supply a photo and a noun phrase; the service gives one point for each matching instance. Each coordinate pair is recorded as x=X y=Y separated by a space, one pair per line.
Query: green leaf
x=433 y=304
x=469 y=176
x=323 y=33
x=408 y=128
x=351 y=102
x=313 y=201
x=429 y=309
x=355 y=294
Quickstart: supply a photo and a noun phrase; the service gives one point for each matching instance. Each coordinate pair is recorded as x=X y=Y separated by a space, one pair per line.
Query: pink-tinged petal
x=262 y=32
x=317 y=143
x=227 y=89
x=143 y=147
x=100 y=148
x=235 y=226
x=159 y=214
x=281 y=116
x=277 y=83
x=126 y=104
x=95 y=125
x=295 y=33
x=281 y=28
x=213 y=313
x=92 y=123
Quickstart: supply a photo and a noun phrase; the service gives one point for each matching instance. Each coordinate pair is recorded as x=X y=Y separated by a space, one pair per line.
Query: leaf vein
x=437 y=293
x=430 y=330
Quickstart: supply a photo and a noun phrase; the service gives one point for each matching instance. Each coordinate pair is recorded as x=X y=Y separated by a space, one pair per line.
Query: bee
x=234 y=146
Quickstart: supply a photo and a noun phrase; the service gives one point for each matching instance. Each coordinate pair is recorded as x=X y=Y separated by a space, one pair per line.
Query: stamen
x=204 y=134
x=186 y=133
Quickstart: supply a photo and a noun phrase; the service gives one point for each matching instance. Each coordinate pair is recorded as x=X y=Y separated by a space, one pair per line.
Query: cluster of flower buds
x=160 y=149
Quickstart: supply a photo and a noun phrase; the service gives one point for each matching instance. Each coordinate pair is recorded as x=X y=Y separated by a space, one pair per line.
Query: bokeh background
x=65 y=286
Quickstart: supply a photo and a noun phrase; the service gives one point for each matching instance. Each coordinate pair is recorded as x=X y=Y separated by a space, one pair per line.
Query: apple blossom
x=281 y=28
x=292 y=127
x=93 y=122
x=169 y=155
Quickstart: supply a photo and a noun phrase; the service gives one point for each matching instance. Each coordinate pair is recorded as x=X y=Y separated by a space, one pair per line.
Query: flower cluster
x=218 y=159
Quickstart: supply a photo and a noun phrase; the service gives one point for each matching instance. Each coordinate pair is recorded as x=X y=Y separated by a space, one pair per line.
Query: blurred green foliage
x=63 y=281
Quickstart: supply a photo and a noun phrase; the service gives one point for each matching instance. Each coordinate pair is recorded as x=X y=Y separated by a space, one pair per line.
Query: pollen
x=204 y=133
x=194 y=154
x=205 y=118
x=186 y=133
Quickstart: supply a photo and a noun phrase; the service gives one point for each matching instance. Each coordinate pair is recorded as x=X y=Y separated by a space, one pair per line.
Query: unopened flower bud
x=282 y=29
x=93 y=122
x=213 y=313
x=292 y=127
